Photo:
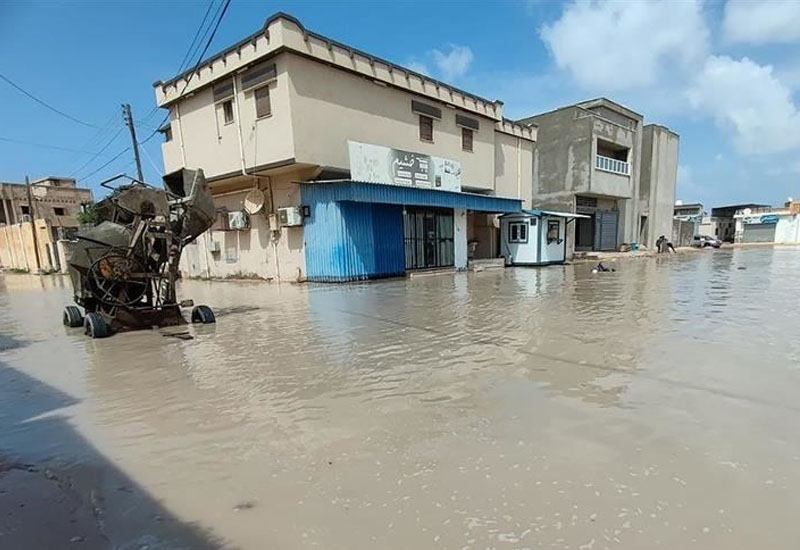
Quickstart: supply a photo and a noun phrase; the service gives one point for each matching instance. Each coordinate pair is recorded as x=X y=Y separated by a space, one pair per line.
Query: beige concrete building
x=54 y=199
x=597 y=158
x=286 y=107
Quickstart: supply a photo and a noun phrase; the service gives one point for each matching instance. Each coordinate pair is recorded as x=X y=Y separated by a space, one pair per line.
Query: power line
x=187 y=56
x=47 y=146
x=196 y=36
x=115 y=157
x=88 y=162
x=37 y=100
x=221 y=11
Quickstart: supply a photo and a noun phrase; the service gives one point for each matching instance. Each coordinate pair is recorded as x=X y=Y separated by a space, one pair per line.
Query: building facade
x=54 y=199
x=287 y=109
x=722 y=220
x=597 y=158
x=768 y=225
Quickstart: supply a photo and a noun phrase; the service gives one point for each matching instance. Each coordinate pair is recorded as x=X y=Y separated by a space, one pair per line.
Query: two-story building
x=57 y=200
x=597 y=158
x=328 y=163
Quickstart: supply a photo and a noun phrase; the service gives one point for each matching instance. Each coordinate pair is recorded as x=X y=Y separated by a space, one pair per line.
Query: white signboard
x=378 y=164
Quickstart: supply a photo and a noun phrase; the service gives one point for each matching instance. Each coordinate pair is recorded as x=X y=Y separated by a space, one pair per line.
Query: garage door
x=605 y=230
x=759 y=233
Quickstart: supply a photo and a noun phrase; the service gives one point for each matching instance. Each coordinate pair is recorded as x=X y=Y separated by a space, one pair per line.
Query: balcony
x=608 y=164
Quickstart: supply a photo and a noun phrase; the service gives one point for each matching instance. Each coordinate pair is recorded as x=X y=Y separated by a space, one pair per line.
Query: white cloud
x=454 y=63
x=748 y=99
x=615 y=45
x=419 y=67
x=762 y=22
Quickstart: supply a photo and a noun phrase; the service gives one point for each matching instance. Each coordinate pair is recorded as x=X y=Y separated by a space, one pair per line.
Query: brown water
x=654 y=407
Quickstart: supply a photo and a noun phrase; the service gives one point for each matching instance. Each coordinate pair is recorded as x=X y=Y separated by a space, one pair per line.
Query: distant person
x=602 y=269
x=664 y=246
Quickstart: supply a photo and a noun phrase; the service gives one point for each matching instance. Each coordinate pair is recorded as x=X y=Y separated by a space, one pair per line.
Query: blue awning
x=357 y=191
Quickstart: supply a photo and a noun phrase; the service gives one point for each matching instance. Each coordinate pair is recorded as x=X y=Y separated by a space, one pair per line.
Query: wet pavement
x=653 y=407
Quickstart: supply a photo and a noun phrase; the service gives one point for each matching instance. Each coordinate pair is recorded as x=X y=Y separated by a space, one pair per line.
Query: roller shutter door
x=759 y=233
x=605 y=230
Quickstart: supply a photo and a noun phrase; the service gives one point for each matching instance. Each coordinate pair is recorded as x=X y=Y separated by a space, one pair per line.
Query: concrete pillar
x=460 y=237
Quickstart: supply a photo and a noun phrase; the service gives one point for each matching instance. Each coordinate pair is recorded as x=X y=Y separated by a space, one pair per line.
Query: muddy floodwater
x=654 y=407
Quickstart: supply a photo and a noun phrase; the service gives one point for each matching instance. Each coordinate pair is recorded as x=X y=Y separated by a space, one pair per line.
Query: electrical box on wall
x=238 y=220
x=290 y=216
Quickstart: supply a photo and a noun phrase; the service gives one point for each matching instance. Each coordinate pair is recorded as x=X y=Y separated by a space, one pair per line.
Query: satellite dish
x=254 y=201
x=747 y=211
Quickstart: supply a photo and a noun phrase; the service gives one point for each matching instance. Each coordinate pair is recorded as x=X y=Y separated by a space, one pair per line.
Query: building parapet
x=282 y=32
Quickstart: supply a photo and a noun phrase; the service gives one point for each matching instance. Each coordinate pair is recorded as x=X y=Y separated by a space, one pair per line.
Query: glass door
x=428 y=238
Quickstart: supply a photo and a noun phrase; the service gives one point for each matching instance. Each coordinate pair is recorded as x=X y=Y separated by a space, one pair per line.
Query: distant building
x=599 y=159
x=765 y=224
x=367 y=168
x=722 y=219
x=56 y=200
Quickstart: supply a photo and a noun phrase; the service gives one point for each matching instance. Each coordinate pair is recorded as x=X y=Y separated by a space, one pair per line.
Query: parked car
x=704 y=241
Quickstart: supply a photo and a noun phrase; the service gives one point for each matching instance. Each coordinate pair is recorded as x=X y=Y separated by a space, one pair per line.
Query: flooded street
x=654 y=407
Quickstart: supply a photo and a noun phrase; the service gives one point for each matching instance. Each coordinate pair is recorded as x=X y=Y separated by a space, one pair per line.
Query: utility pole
x=32 y=214
x=127 y=116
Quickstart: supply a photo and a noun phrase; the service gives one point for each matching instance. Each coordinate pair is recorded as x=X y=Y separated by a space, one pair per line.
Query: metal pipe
x=180 y=133
x=239 y=124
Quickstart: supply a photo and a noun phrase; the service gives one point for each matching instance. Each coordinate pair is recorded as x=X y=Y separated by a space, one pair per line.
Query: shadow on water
x=86 y=502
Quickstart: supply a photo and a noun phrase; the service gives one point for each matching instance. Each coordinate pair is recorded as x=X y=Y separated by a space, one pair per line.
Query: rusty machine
x=124 y=268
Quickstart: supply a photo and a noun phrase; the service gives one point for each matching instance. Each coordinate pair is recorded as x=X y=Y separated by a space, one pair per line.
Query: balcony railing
x=612 y=165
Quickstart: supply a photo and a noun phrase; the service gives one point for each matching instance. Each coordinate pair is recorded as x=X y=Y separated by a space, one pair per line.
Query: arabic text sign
x=378 y=164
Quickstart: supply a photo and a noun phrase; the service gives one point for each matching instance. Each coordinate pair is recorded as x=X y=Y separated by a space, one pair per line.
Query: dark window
x=59 y=211
x=425 y=128
x=258 y=75
x=425 y=109
x=470 y=123
x=223 y=90
x=466 y=139
x=168 y=133
x=227 y=111
x=25 y=209
x=263 y=107
x=553 y=227
x=518 y=232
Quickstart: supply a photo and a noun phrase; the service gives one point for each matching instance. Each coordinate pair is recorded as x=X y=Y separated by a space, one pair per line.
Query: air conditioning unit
x=26 y=217
x=238 y=220
x=290 y=216
x=213 y=246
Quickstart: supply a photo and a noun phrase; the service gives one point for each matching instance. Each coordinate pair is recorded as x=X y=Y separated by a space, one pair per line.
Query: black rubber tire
x=95 y=326
x=72 y=317
x=203 y=314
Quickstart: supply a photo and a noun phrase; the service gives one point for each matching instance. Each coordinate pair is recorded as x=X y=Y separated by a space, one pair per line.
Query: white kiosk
x=535 y=237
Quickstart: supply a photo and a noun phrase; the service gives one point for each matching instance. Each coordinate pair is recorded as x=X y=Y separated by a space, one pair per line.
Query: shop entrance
x=428 y=238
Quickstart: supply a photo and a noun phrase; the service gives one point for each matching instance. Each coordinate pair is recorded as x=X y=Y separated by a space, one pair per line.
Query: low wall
x=18 y=248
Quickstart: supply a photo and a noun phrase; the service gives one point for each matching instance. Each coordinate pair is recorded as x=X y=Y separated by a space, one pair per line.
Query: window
x=227 y=111
x=553 y=227
x=263 y=107
x=59 y=211
x=167 y=133
x=466 y=139
x=425 y=128
x=518 y=232
x=25 y=209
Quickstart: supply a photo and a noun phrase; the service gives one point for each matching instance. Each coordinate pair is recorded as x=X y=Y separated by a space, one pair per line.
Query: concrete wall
x=513 y=168
x=202 y=139
x=331 y=106
x=255 y=252
x=44 y=200
x=564 y=155
x=659 y=174
x=18 y=249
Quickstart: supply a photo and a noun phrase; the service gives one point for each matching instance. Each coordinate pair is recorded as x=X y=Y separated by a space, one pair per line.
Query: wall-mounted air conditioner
x=290 y=216
x=213 y=246
x=238 y=220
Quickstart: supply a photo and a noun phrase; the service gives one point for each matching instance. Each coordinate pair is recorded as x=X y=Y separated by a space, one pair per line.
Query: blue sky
x=724 y=75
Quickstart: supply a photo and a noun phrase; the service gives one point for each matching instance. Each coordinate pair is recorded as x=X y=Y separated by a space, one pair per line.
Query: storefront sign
x=765 y=219
x=378 y=164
